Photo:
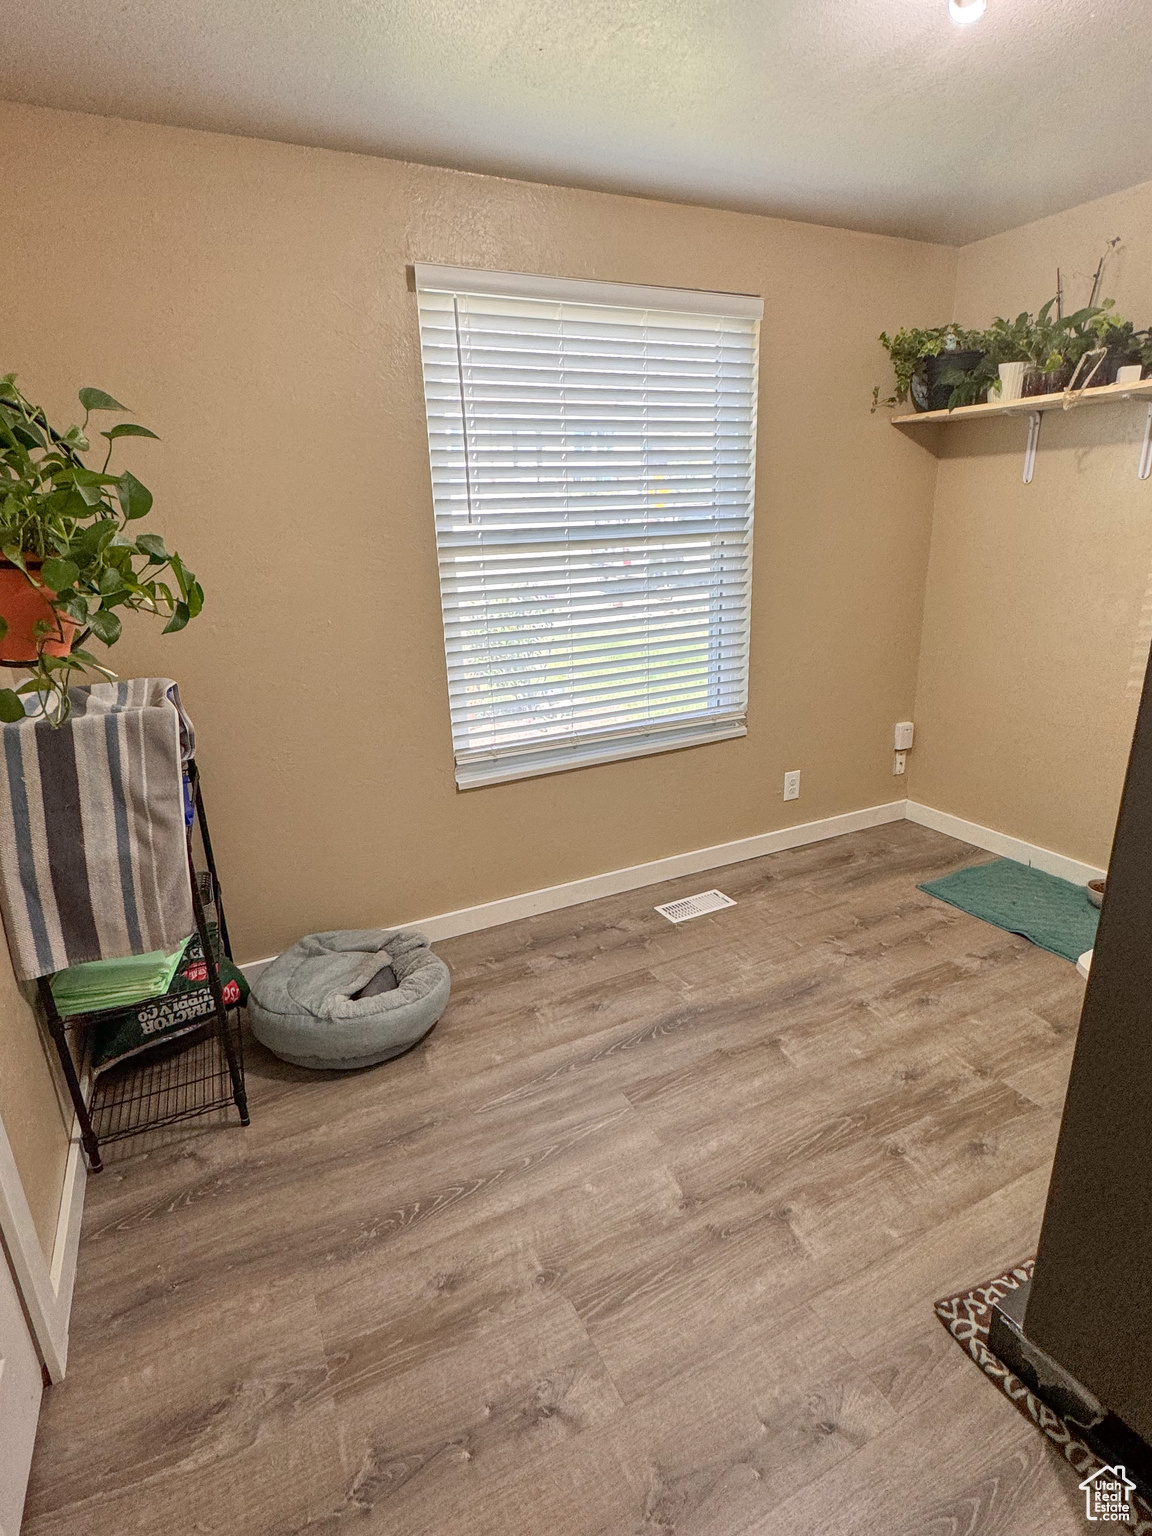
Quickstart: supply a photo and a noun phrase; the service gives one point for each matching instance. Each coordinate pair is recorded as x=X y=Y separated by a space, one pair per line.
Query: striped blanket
x=93 y=862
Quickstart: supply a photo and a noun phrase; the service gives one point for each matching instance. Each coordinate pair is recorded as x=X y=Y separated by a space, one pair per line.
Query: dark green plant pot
x=926 y=390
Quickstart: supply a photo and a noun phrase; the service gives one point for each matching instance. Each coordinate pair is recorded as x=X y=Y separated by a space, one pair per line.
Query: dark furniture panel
x=1090 y=1306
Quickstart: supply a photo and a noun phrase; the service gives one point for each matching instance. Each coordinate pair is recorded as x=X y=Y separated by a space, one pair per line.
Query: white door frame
x=21 y=1391
x=45 y=1287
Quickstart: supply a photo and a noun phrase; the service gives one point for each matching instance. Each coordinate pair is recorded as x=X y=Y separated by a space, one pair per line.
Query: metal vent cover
x=694 y=906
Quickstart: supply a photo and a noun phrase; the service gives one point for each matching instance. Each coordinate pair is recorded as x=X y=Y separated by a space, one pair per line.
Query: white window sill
x=534 y=763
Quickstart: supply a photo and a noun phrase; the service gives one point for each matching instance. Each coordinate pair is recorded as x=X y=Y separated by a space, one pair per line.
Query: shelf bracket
x=1034 y=420
x=1145 y=466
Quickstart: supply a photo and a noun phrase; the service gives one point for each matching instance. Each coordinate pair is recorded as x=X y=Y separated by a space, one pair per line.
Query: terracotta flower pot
x=24 y=606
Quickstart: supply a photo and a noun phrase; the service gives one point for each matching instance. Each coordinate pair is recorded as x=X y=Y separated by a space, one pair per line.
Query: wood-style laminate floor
x=644 y=1240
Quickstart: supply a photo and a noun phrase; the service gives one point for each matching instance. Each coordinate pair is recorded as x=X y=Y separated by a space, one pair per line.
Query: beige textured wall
x=29 y=1107
x=1038 y=605
x=249 y=300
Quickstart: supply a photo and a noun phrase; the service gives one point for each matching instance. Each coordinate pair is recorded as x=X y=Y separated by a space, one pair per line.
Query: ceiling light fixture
x=963 y=12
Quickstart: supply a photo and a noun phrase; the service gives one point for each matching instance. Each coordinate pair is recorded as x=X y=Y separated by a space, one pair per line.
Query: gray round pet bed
x=350 y=998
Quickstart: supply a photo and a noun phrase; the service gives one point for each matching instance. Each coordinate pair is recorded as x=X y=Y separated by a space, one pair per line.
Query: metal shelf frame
x=170 y=1081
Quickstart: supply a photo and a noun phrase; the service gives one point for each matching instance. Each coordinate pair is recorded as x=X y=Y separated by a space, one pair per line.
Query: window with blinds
x=592 y=449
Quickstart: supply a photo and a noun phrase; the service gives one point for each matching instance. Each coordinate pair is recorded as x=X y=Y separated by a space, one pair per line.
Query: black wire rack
x=192 y=1074
x=188 y=1077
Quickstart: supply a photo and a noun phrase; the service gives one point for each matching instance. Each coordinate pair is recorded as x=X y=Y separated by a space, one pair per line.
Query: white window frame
x=553 y=755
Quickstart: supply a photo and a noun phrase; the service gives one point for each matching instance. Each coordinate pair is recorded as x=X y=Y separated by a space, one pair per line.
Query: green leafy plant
x=908 y=349
x=1053 y=341
x=969 y=386
x=1125 y=344
x=1008 y=341
x=71 y=530
x=1112 y=332
x=1048 y=342
x=1005 y=341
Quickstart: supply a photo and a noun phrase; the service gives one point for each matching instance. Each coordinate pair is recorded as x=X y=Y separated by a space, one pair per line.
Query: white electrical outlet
x=905 y=731
x=792 y=785
x=899 y=762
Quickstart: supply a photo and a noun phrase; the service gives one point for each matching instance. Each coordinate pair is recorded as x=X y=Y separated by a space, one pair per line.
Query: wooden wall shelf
x=1033 y=407
x=1063 y=400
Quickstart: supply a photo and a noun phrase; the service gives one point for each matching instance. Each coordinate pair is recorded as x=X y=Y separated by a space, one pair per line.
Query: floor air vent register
x=694 y=906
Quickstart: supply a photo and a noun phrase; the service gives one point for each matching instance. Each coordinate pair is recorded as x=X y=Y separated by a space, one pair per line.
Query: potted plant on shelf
x=925 y=360
x=1006 y=357
x=971 y=384
x=1052 y=349
x=72 y=559
x=1120 y=338
x=1047 y=349
x=1056 y=344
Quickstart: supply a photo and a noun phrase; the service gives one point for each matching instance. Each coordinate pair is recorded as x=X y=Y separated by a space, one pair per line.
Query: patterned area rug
x=967 y=1319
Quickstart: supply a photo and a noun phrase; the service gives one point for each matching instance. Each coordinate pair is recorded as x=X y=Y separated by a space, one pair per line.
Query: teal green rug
x=1053 y=913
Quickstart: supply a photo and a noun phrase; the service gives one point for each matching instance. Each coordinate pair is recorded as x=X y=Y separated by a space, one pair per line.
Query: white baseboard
x=447 y=925
x=68 y=1223
x=509 y=909
x=1000 y=842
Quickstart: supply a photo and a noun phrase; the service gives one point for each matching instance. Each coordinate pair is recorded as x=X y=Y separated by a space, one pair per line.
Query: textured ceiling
x=874 y=114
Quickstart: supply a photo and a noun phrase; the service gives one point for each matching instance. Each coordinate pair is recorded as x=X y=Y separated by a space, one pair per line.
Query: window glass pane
x=593 y=477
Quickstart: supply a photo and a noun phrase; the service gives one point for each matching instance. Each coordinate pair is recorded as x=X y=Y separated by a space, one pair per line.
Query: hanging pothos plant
x=69 y=532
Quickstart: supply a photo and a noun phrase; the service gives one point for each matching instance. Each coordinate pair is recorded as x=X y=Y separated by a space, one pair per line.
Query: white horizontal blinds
x=592 y=473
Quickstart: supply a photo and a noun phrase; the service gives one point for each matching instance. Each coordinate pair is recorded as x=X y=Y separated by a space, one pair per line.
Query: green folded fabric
x=1053 y=913
x=186 y=1007
x=115 y=983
